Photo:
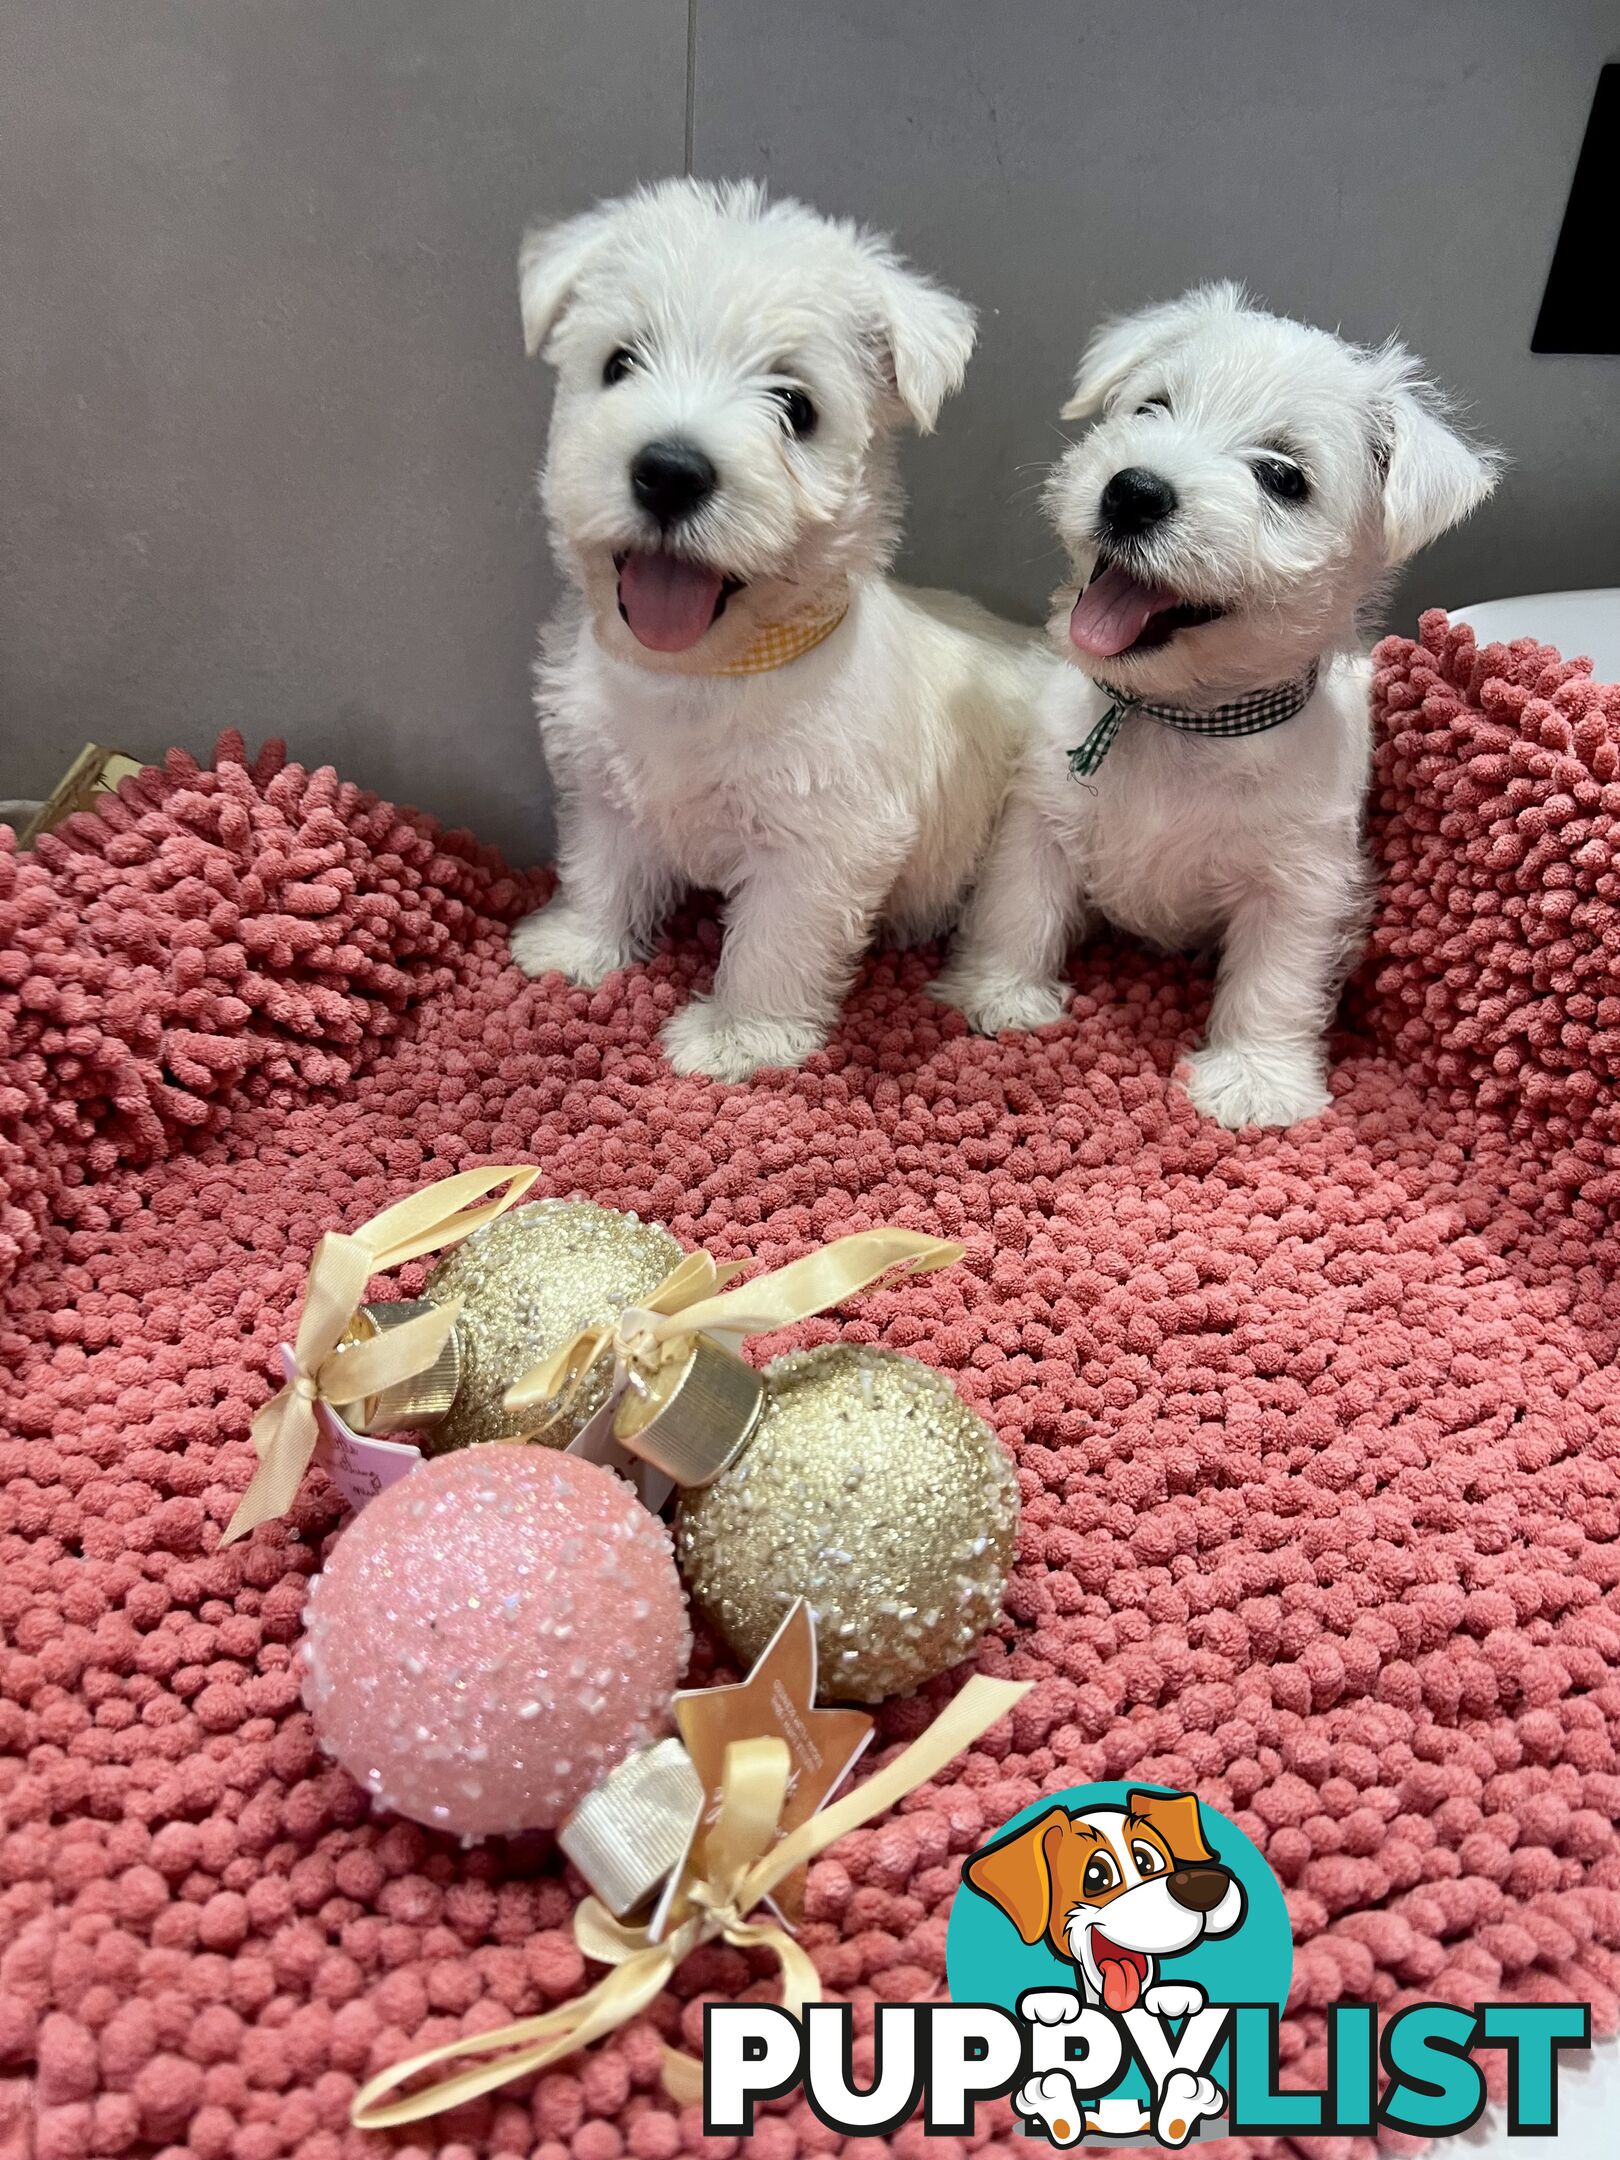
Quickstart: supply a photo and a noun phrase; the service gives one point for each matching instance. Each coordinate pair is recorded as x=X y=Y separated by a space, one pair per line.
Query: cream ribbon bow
x=656 y=1337
x=285 y=1430
x=747 y=1858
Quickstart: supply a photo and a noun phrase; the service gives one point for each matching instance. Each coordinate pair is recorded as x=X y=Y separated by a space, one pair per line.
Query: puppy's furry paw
x=704 y=1039
x=1257 y=1084
x=557 y=941
x=992 y=1003
x=1185 y=2101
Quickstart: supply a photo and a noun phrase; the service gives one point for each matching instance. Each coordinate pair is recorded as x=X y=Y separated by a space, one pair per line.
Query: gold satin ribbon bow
x=747 y=1860
x=285 y=1430
x=652 y=1338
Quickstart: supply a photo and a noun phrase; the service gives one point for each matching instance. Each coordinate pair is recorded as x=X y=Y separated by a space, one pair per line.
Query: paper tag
x=358 y=1465
x=777 y=1701
x=594 y=1442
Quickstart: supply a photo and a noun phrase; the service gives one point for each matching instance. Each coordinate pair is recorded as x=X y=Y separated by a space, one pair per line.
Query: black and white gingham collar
x=1251 y=714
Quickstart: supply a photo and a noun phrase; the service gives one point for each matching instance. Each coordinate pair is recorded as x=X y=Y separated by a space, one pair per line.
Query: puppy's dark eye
x=1282 y=481
x=1153 y=404
x=797 y=410
x=1100 y=1875
x=1149 y=1860
x=618 y=365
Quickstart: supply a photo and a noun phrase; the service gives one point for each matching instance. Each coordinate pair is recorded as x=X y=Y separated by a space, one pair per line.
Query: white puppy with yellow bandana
x=735 y=695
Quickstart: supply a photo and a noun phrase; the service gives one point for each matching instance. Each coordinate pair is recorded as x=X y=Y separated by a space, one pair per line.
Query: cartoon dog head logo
x=1120 y=1925
x=1114 y=1890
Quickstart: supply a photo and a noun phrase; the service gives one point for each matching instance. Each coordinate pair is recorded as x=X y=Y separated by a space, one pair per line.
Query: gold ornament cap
x=413 y=1405
x=627 y=1835
x=695 y=1420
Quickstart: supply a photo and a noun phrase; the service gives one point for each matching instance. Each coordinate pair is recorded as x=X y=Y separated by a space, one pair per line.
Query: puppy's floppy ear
x=1176 y=1818
x=1017 y=1873
x=926 y=332
x=1432 y=477
x=1120 y=347
x=549 y=263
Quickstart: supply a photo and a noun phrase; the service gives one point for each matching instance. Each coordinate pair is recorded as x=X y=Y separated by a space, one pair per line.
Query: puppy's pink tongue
x=667 y=603
x=1113 y=611
x=1122 y=1983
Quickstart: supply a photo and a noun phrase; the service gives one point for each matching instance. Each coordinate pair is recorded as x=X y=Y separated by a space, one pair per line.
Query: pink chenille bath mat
x=1319 y=1433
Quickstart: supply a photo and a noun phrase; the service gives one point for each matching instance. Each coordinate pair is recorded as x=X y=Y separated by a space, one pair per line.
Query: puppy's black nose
x=1135 y=500
x=671 y=478
x=1199 y=1889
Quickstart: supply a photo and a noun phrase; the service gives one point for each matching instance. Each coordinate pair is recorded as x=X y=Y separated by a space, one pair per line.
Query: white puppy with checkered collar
x=1199 y=771
x=735 y=696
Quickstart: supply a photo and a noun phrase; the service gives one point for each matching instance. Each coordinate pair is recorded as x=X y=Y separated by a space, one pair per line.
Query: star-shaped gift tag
x=776 y=1701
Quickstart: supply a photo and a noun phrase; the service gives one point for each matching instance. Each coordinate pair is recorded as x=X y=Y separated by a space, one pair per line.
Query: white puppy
x=1197 y=776
x=736 y=697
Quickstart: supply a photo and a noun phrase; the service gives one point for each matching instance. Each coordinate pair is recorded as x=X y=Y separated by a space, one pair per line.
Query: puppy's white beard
x=841 y=537
x=753 y=607
x=818 y=574
x=1214 y=661
x=1271 y=630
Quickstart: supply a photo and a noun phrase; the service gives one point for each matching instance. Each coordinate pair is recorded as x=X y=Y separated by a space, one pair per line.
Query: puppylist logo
x=1118 y=1960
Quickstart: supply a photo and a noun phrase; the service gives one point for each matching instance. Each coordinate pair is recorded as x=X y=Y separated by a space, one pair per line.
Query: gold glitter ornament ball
x=872 y=1491
x=528 y=1281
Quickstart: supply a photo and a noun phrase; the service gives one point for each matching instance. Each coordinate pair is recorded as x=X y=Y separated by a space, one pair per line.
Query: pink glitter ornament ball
x=491 y=1635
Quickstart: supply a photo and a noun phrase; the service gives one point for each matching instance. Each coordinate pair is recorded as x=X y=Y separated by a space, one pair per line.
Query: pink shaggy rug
x=1318 y=1433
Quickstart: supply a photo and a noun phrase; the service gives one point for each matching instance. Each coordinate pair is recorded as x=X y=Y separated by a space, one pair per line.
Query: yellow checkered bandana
x=775 y=644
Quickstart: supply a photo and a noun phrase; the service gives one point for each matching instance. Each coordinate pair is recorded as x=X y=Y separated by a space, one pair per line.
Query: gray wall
x=266 y=432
